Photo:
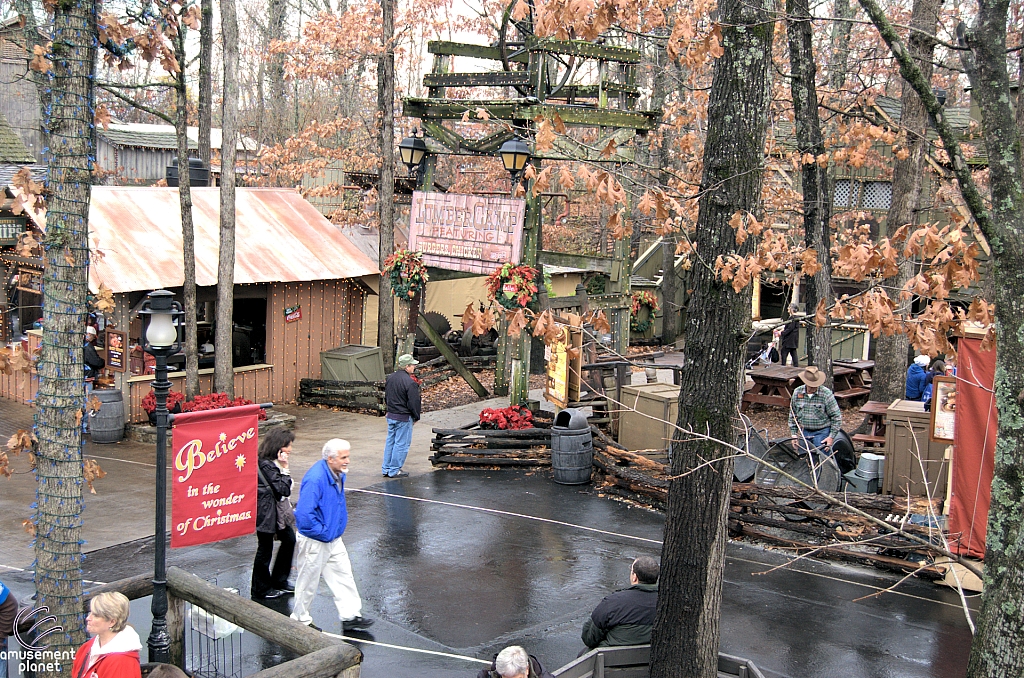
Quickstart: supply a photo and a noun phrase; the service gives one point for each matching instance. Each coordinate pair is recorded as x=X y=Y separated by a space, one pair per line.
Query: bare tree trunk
x=686 y=633
x=813 y=178
x=205 y=81
x=386 y=190
x=58 y=516
x=275 y=70
x=998 y=647
x=839 y=61
x=188 y=235
x=224 y=373
x=889 y=378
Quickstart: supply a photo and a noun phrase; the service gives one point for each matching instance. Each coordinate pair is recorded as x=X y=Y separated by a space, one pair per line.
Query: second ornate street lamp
x=162 y=338
x=515 y=153
x=413 y=151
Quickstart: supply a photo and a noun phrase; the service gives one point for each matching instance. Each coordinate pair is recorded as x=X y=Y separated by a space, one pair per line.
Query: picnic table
x=774 y=384
x=875 y=412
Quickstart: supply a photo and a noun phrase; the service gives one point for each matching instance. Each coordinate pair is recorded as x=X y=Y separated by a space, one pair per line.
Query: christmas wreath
x=512 y=286
x=407 y=272
x=640 y=301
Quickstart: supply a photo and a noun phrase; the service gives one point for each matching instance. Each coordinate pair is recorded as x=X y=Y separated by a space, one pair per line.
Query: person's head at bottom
x=645 y=570
x=512 y=662
x=108 y=615
x=337 y=453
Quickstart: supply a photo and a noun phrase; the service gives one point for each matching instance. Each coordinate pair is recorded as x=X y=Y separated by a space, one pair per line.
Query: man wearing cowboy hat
x=814 y=415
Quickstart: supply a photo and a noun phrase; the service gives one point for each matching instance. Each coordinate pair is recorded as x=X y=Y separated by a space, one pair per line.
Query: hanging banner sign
x=470 y=233
x=213 y=474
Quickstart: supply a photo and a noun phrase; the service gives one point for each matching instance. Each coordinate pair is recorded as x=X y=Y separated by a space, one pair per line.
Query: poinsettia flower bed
x=216 y=401
x=212 y=401
x=512 y=418
x=173 y=398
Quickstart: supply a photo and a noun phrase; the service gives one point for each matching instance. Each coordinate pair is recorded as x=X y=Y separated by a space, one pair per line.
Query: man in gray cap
x=814 y=416
x=402 y=398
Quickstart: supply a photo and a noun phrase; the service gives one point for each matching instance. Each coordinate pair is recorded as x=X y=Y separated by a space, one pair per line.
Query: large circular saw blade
x=436 y=320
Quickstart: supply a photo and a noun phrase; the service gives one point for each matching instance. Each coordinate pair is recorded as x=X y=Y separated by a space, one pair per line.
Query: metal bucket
x=107 y=425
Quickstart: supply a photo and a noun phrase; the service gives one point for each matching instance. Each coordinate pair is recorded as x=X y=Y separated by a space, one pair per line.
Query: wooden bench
x=867 y=439
x=846 y=394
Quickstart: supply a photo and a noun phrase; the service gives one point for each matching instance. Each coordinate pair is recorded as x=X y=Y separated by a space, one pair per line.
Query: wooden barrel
x=107 y=424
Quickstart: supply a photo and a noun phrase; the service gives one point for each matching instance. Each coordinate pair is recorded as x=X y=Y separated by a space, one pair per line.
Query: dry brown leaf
x=91 y=471
x=559 y=124
x=601 y=324
x=545 y=136
x=609 y=149
x=468 y=317
x=29 y=527
x=820 y=316
x=516 y=321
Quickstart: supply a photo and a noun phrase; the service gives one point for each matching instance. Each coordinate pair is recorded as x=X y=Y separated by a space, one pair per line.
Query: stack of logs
x=471 y=445
x=794 y=517
x=438 y=369
x=358 y=396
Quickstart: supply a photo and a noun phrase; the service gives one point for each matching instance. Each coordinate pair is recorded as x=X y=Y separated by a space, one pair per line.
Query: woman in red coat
x=113 y=652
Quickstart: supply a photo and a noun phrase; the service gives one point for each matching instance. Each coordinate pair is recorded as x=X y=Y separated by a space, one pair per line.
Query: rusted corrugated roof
x=279 y=237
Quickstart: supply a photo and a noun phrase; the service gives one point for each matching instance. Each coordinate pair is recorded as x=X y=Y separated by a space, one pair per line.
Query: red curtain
x=975 y=445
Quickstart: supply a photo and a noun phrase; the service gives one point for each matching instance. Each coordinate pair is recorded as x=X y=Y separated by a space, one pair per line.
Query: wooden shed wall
x=145 y=165
x=20 y=105
x=332 y=316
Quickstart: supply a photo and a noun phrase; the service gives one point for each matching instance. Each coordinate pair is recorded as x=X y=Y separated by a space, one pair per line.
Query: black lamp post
x=413 y=151
x=515 y=153
x=162 y=338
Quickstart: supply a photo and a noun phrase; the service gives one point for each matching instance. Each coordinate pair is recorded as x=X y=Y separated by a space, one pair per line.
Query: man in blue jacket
x=917 y=378
x=320 y=518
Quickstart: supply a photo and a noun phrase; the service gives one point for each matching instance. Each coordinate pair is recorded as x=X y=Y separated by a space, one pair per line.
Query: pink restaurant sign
x=470 y=233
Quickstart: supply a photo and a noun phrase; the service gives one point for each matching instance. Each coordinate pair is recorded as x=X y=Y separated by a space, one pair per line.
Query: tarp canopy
x=279 y=237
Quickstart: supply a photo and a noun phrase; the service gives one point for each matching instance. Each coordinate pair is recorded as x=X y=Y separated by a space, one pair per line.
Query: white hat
x=922 y=360
x=90 y=331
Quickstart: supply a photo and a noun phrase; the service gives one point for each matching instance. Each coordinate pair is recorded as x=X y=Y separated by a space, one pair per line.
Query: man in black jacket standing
x=790 y=337
x=402 y=398
x=626 y=617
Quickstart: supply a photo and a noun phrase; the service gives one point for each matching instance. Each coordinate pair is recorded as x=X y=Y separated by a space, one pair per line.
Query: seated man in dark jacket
x=626 y=617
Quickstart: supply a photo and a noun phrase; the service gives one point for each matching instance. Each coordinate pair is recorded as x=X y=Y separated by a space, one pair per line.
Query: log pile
x=471 y=445
x=785 y=516
x=357 y=396
x=438 y=369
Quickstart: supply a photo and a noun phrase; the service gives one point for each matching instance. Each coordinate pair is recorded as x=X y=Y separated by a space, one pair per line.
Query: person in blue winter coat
x=918 y=378
x=320 y=518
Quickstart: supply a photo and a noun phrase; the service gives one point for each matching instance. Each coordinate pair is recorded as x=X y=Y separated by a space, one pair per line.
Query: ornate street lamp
x=413 y=151
x=515 y=153
x=161 y=339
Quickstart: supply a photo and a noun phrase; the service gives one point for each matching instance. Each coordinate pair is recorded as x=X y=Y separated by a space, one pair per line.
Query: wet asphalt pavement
x=440 y=574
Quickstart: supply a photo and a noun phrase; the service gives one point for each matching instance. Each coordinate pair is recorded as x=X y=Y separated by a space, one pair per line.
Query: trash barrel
x=107 y=424
x=572 y=448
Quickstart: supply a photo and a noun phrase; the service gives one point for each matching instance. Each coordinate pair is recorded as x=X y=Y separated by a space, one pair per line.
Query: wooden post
x=519 y=388
x=176 y=629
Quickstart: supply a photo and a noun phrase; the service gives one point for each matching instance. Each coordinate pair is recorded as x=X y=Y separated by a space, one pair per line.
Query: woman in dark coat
x=273 y=482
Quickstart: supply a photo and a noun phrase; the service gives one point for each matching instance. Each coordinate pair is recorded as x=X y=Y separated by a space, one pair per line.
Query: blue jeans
x=814 y=439
x=396 y=447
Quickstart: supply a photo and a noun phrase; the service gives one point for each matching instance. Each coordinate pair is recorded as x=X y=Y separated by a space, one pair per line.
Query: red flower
x=515 y=417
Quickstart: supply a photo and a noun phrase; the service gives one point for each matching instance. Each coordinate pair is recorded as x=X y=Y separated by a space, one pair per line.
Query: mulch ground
x=456 y=391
